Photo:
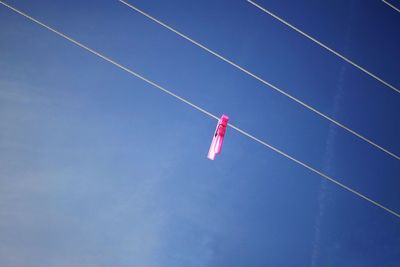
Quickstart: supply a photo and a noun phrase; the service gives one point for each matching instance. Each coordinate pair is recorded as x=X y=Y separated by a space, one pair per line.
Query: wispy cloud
x=327 y=166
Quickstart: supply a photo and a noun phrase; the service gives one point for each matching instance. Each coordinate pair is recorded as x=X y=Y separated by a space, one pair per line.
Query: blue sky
x=97 y=168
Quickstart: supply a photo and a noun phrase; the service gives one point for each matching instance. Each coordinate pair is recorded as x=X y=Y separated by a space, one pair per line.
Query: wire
x=391 y=5
x=325 y=46
x=316 y=171
x=109 y=60
x=264 y=81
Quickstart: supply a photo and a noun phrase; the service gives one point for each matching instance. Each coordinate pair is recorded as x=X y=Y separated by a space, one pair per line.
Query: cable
x=109 y=60
x=325 y=46
x=298 y=101
x=391 y=5
x=316 y=171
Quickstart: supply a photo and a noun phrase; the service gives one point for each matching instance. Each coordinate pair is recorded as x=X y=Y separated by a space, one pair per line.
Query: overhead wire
x=324 y=46
x=391 y=5
x=246 y=71
x=137 y=75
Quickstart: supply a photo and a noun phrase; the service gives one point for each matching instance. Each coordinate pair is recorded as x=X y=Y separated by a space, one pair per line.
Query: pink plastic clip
x=218 y=137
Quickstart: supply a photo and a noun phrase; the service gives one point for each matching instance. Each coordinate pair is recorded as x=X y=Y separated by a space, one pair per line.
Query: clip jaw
x=218 y=138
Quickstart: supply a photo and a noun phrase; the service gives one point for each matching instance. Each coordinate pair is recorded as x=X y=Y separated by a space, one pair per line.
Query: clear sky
x=98 y=168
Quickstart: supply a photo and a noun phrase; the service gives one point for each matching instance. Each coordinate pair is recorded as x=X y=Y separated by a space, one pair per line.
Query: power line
x=391 y=5
x=298 y=101
x=316 y=171
x=324 y=46
x=109 y=60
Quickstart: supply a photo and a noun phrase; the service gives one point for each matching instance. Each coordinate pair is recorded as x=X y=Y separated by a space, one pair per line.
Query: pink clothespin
x=218 y=137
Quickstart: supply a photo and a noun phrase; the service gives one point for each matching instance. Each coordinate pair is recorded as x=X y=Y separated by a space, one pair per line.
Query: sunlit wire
x=324 y=46
x=109 y=60
x=264 y=81
x=391 y=5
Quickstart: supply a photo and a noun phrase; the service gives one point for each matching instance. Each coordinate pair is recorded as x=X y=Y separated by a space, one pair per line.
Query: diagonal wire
x=298 y=101
x=324 y=46
x=391 y=5
x=109 y=60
